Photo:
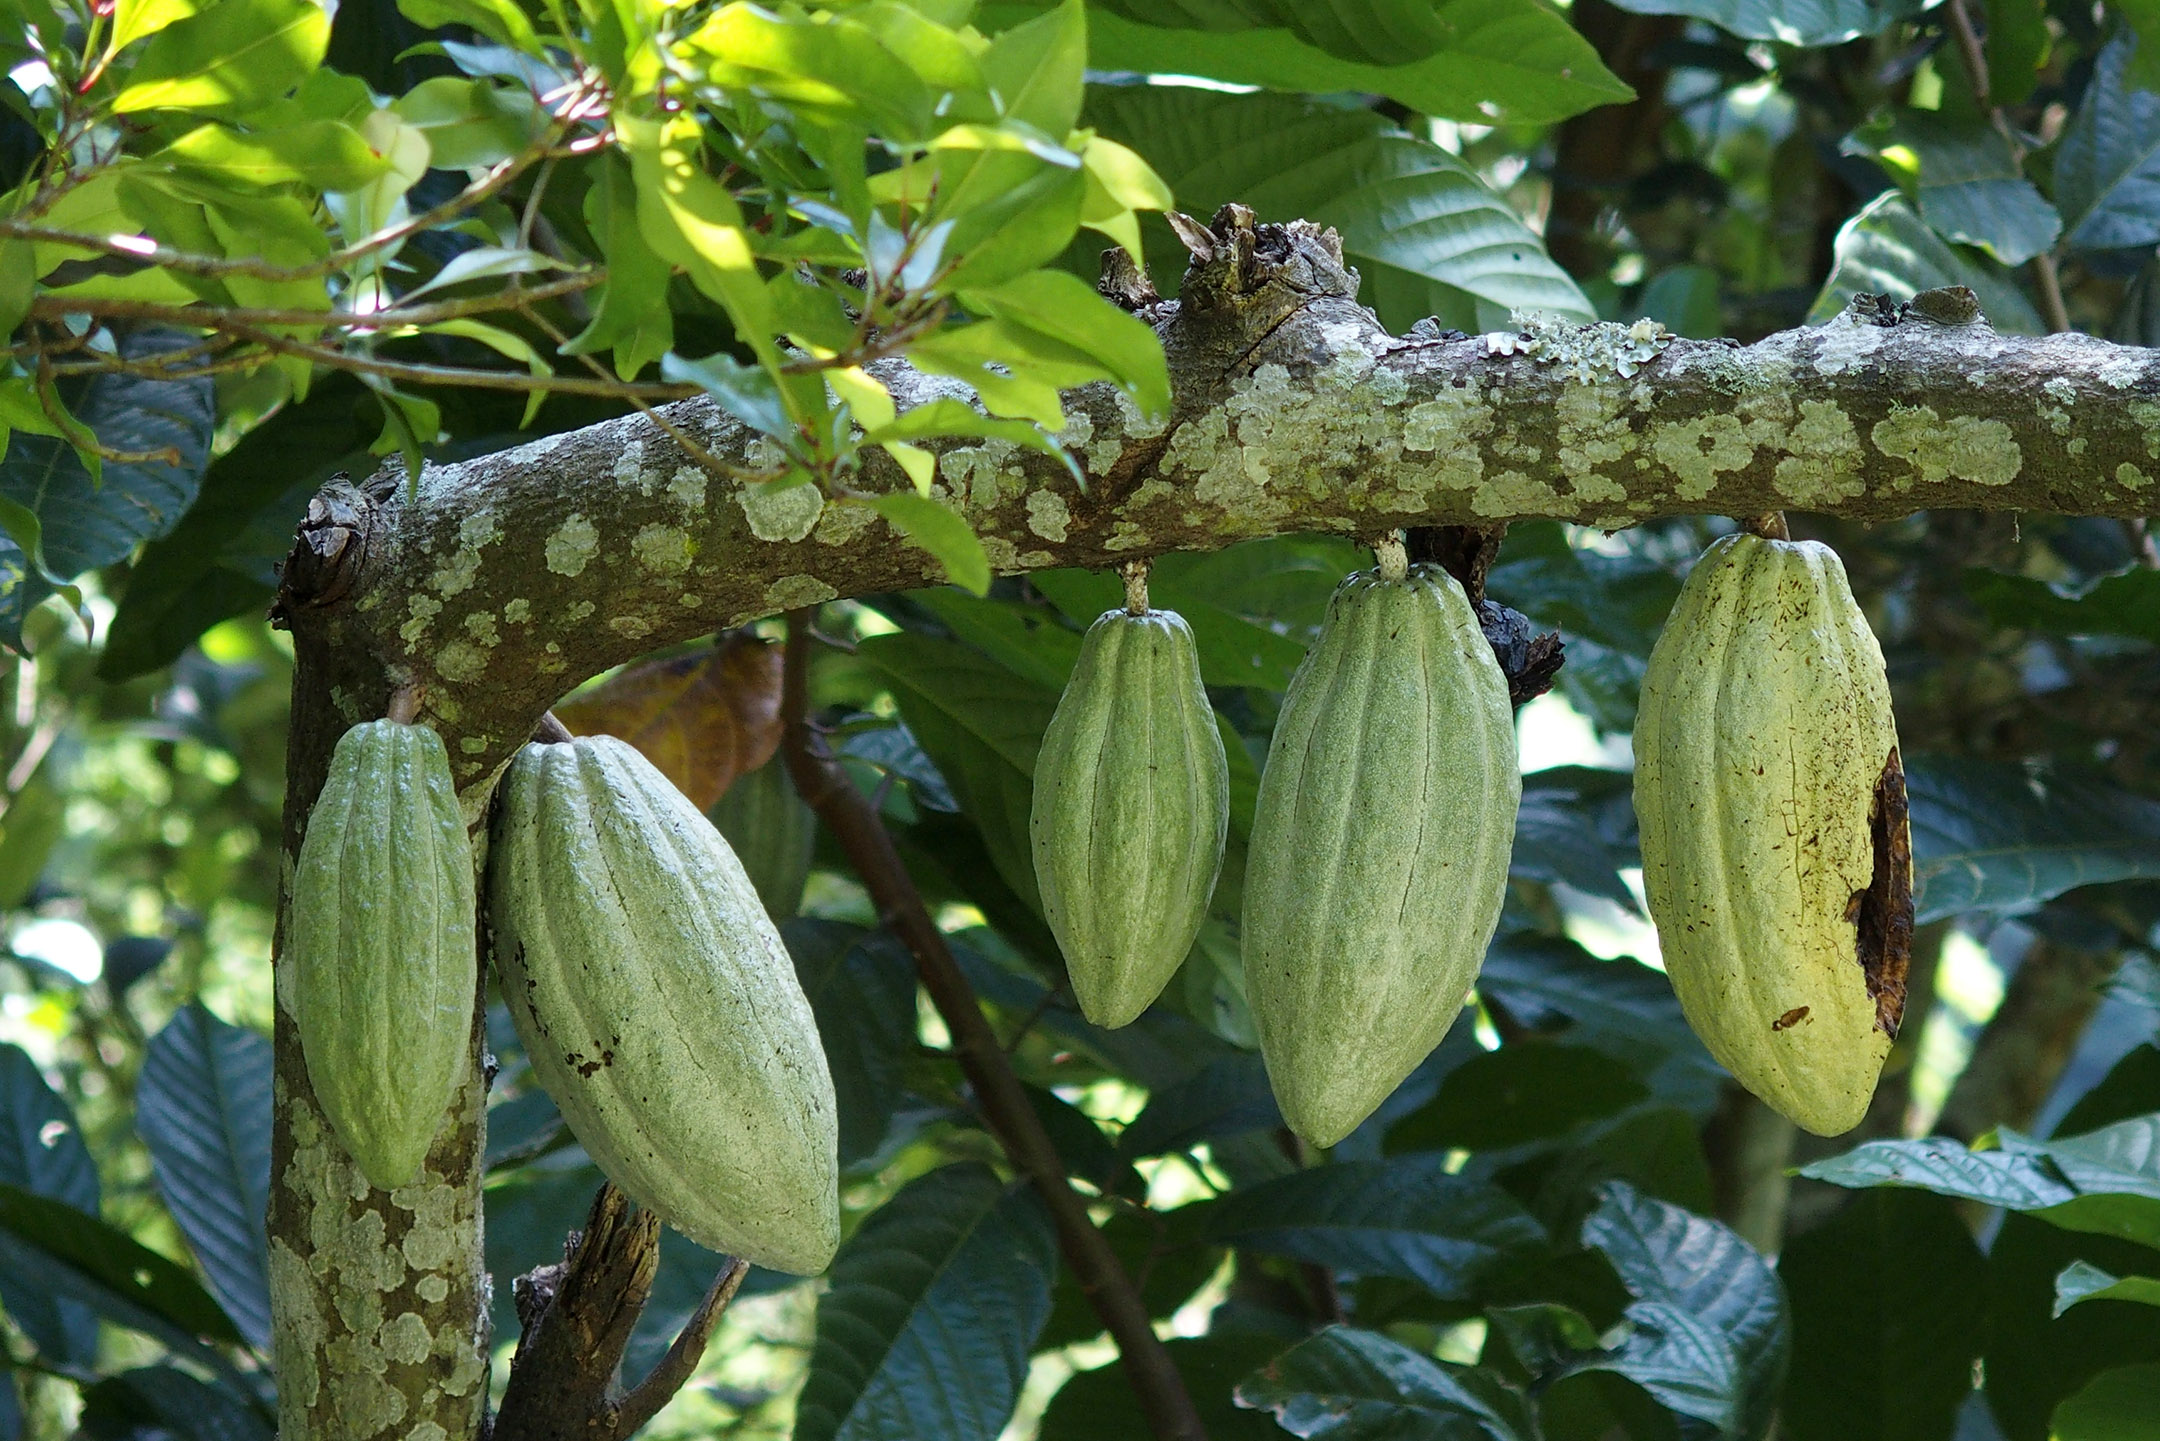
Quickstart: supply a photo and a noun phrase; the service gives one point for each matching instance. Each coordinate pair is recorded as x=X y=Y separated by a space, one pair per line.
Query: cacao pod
x=659 y=1007
x=1771 y=798
x=380 y=966
x=1380 y=846
x=771 y=832
x=1131 y=807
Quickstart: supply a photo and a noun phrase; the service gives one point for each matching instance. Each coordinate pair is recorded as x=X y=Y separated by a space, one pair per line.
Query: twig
x=464 y=375
x=825 y=787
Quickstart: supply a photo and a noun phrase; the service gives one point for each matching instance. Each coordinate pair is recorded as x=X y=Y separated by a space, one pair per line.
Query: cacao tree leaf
x=894 y=750
x=2036 y=1360
x=42 y=1150
x=1969 y=184
x=168 y=1403
x=1166 y=1275
x=2004 y=838
x=1421 y=227
x=202 y=1106
x=1226 y=1097
x=228 y=56
x=1524 y=1092
x=1562 y=832
x=701 y=719
x=2107 y=169
x=1712 y=1328
x=1026 y=639
x=1234 y=651
x=861 y=986
x=91 y=521
x=2124 y=603
x=933 y=1307
x=1351 y=1385
x=2081 y=1281
x=1789 y=22
x=1098 y=1404
x=1889 y=1307
x=943 y=532
x=1888 y=249
x=2118 y=1405
x=1406 y=1217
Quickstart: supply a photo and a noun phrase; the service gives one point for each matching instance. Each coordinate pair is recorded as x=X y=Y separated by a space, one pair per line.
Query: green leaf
x=2124 y=603
x=1525 y=1092
x=861 y=986
x=32 y=825
x=747 y=392
x=945 y=416
x=202 y=1106
x=1350 y=1385
x=1424 y=231
x=233 y=55
x=2107 y=169
x=631 y=316
x=42 y=1151
x=472 y=123
x=1972 y=186
x=2002 y=838
x=1379 y=32
x=1684 y=299
x=1100 y=1404
x=168 y=1403
x=1789 y=22
x=831 y=69
x=1036 y=69
x=1889 y=1304
x=2035 y=1360
x=2118 y=1405
x=1226 y=1097
x=1067 y=309
x=1026 y=639
x=1712 y=1330
x=942 y=531
x=1234 y=650
x=133 y=19
x=933 y=1307
x=109 y=1270
x=1406 y=1217
x=2016 y=46
x=2081 y=1281
x=1563 y=831
x=319 y=154
x=500 y=20
x=1887 y=249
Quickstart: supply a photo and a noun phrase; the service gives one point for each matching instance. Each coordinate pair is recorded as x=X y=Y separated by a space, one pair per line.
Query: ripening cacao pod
x=1775 y=852
x=1380 y=846
x=659 y=1007
x=380 y=969
x=1132 y=803
x=771 y=832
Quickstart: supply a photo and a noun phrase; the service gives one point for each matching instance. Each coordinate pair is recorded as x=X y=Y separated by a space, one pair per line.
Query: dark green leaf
x=86 y=522
x=31 y=826
x=1405 y=1217
x=202 y=1106
x=42 y=1150
x=2107 y=169
x=1971 y=185
x=1350 y=1385
x=1790 y=22
x=747 y=392
x=2118 y=1405
x=1423 y=230
x=2036 y=1359
x=1888 y=249
x=1557 y=837
x=933 y=1307
x=1027 y=640
x=2125 y=603
x=1518 y=1094
x=1712 y=1329
x=107 y=1269
x=1226 y=1097
x=1080 y=1142
x=1166 y=1275
x=861 y=986
x=1684 y=300
x=1100 y=1404
x=1992 y=837
x=169 y=1403
x=1889 y=1303
x=1234 y=651
x=2081 y=1281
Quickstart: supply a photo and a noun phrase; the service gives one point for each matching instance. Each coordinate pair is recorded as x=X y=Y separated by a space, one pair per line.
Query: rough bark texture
x=495 y=585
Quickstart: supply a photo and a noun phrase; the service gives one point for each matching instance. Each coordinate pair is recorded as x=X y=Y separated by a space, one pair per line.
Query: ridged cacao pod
x=1380 y=846
x=771 y=832
x=380 y=967
x=1776 y=856
x=1132 y=803
x=658 y=1005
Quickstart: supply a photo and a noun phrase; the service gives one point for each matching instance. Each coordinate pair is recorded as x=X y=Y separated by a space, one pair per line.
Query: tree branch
x=825 y=787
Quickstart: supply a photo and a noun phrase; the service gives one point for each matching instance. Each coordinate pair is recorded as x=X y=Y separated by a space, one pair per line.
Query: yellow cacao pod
x=1771 y=798
x=1380 y=846
x=380 y=971
x=659 y=1007
x=1131 y=806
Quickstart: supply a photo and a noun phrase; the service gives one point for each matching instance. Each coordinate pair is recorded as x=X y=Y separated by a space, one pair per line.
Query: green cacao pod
x=1132 y=802
x=658 y=1005
x=1380 y=846
x=380 y=968
x=771 y=832
x=1775 y=852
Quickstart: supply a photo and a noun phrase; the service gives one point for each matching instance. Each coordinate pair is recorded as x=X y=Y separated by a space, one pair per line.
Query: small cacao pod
x=1771 y=798
x=380 y=968
x=771 y=832
x=1131 y=806
x=659 y=1007
x=1380 y=846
